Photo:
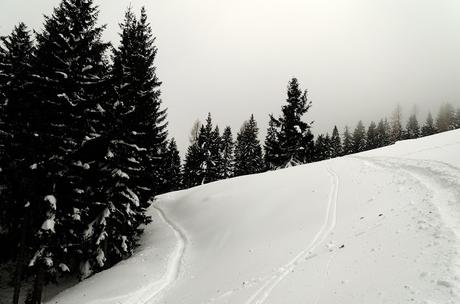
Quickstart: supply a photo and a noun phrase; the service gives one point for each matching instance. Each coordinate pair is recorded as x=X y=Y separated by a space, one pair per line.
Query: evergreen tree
x=457 y=119
x=227 y=154
x=17 y=148
x=347 y=142
x=192 y=175
x=336 y=143
x=445 y=120
x=372 y=141
x=412 y=128
x=271 y=145
x=293 y=135
x=383 y=133
x=429 y=128
x=359 y=138
x=172 y=167
x=248 y=152
x=322 y=147
x=71 y=71
x=396 y=131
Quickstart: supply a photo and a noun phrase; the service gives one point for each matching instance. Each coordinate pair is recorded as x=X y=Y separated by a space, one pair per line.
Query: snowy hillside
x=377 y=227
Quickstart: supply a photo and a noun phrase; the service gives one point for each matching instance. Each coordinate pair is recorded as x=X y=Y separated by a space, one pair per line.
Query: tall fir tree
x=383 y=133
x=372 y=141
x=172 y=167
x=457 y=119
x=359 y=138
x=396 y=131
x=429 y=127
x=271 y=145
x=445 y=120
x=227 y=154
x=336 y=143
x=294 y=137
x=347 y=142
x=322 y=147
x=412 y=127
x=248 y=152
x=70 y=80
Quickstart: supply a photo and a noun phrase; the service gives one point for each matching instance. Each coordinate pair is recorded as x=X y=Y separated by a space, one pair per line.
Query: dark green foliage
x=227 y=154
x=347 y=142
x=429 y=128
x=412 y=128
x=172 y=168
x=336 y=143
x=359 y=138
x=383 y=133
x=248 y=152
x=372 y=138
x=322 y=147
x=292 y=135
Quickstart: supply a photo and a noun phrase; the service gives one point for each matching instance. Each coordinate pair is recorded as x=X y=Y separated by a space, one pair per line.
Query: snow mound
x=381 y=226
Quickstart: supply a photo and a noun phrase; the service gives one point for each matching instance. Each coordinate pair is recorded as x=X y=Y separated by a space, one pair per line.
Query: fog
x=357 y=58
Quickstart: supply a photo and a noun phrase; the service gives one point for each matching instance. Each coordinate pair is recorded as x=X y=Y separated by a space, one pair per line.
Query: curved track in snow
x=155 y=289
x=261 y=295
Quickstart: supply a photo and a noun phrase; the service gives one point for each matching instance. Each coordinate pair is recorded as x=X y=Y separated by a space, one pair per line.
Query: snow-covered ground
x=377 y=227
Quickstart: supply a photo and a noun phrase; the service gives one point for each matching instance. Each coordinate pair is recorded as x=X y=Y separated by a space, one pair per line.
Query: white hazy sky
x=357 y=58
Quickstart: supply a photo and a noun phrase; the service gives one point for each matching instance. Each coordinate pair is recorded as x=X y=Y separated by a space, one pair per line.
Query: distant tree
x=359 y=138
x=372 y=137
x=172 y=168
x=457 y=119
x=445 y=120
x=248 y=152
x=412 y=128
x=428 y=128
x=294 y=138
x=272 y=145
x=227 y=154
x=336 y=143
x=192 y=174
x=322 y=148
x=347 y=142
x=383 y=136
x=396 y=132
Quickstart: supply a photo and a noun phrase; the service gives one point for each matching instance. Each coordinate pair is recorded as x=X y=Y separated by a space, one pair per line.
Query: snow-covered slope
x=377 y=227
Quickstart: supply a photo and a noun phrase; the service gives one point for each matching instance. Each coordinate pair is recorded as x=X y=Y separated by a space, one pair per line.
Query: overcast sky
x=357 y=58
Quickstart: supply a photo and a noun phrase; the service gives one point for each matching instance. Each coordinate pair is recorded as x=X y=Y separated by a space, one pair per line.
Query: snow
x=381 y=226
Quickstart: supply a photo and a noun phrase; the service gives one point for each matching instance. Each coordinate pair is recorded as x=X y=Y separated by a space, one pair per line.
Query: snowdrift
x=376 y=227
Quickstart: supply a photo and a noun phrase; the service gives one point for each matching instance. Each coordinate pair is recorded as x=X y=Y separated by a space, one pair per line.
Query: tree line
x=83 y=145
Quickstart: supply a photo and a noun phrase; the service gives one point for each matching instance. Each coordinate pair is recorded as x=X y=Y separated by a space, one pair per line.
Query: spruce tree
x=172 y=168
x=322 y=150
x=194 y=158
x=372 y=141
x=457 y=119
x=71 y=71
x=445 y=120
x=383 y=133
x=428 y=128
x=293 y=134
x=272 y=145
x=359 y=138
x=336 y=143
x=248 y=152
x=412 y=128
x=227 y=154
x=396 y=131
x=347 y=142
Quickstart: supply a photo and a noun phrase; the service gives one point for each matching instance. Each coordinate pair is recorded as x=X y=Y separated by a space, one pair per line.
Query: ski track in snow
x=261 y=295
x=153 y=292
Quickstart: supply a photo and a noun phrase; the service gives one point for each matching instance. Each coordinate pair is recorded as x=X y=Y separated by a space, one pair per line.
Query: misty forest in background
x=84 y=144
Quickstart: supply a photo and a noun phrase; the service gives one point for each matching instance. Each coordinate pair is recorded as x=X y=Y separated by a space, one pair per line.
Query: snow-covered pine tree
x=17 y=154
x=294 y=136
x=172 y=167
x=359 y=138
x=71 y=71
x=227 y=154
x=321 y=148
x=248 y=152
x=272 y=145
x=336 y=143
x=192 y=175
x=445 y=120
x=396 y=131
x=347 y=142
x=428 y=128
x=457 y=119
x=383 y=133
x=372 y=141
x=412 y=128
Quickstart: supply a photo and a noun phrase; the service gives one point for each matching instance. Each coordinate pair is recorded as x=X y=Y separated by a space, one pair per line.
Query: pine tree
x=445 y=120
x=17 y=148
x=322 y=147
x=372 y=141
x=248 y=152
x=359 y=138
x=192 y=175
x=293 y=135
x=336 y=143
x=172 y=167
x=383 y=133
x=429 y=128
x=272 y=145
x=412 y=128
x=227 y=154
x=71 y=71
x=457 y=119
x=347 y=142
x=396 y=132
